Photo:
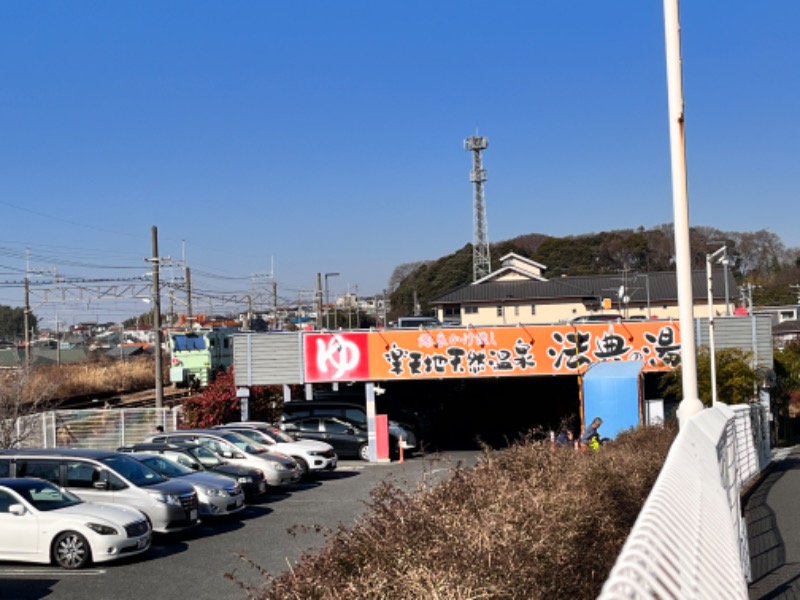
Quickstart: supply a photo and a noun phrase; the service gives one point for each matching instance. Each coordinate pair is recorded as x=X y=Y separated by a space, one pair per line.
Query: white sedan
x=312 y=456
x=43 y=523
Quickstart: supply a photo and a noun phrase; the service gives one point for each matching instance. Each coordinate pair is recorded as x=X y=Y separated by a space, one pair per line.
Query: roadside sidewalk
x=772 y=513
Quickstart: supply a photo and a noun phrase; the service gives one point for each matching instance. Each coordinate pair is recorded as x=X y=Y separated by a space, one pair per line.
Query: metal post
x=690 y=404
x=727 y=292
x=712 y=356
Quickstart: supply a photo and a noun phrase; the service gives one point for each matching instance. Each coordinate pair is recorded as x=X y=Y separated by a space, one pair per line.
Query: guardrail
x=690 y=539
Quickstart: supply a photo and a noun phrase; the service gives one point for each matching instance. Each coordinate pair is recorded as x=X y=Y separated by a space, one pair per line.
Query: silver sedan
x=217 y=495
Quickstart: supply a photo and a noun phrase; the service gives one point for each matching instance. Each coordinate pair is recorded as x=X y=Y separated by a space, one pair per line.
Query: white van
x=418 y=322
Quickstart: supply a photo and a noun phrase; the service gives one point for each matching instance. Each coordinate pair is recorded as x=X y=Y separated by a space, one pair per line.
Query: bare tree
x=402 y=271
x=22 y=395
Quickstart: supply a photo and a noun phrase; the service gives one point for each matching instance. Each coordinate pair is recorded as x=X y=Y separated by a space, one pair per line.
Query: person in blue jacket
x=591 y=435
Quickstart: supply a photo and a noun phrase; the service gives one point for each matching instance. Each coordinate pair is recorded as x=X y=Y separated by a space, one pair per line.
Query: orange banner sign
x=396 y=354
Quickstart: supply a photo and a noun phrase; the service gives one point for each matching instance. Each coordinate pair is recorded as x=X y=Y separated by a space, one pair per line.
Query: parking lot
x=270 y=532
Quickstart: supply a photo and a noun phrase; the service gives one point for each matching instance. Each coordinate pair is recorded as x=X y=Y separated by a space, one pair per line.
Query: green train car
x=198 y=355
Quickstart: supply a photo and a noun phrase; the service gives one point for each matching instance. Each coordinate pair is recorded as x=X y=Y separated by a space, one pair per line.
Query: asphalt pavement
x=205 y=563
x=772 y=511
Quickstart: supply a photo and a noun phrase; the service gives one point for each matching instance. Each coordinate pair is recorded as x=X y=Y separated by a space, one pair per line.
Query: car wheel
x=303 y=466
x=71 y=550
x=363 y=452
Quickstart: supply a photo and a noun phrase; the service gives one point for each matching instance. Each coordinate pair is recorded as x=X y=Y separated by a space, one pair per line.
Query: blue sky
x=304 y=137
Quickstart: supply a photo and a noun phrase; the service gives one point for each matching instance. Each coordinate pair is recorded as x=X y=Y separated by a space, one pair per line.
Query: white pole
x=371 y=434
x=712 y=357
x=690 y=404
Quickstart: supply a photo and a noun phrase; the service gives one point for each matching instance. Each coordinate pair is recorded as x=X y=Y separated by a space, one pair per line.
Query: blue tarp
x=611 y=392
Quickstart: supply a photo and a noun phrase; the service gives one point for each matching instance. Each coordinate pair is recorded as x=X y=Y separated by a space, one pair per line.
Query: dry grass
x=528 y=522
x=98 y=377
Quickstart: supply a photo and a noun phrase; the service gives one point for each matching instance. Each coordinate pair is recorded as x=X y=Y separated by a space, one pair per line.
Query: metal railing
x=102 y=429
x=690 y=539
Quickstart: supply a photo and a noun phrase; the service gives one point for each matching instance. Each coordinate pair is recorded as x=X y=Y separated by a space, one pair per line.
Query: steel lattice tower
x=481 y=262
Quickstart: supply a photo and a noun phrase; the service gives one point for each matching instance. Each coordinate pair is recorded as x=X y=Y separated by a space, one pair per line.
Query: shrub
x=218 y=403
x=529 y=521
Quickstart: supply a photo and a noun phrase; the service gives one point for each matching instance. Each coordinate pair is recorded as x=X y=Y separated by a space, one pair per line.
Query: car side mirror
x=17 y=509
x=100 y=485
x=227 y=454
x=350 y=431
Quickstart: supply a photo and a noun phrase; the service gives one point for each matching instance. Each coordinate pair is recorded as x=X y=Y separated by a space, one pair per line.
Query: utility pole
x=319 y=300
x=188 y=277
x=26 y=318
x=157 y=320
x=275 y=302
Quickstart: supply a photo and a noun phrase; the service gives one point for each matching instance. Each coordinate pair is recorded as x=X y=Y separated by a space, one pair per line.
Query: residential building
x=517 y=293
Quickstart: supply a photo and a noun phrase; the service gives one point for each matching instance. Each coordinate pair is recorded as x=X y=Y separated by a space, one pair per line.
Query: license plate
x=239 y=502
x=262 y=487
x=142 y=543
x=193 y=515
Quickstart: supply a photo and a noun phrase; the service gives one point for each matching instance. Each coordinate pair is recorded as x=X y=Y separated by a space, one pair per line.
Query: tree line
x=758 y=258
x=12 y=324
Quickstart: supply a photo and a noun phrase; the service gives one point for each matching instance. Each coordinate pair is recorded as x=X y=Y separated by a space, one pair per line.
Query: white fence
x=690 y=539
x=103 y=429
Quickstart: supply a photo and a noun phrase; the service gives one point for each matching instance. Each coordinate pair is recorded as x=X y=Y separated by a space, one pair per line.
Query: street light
x=710 y=258
x=328 y=300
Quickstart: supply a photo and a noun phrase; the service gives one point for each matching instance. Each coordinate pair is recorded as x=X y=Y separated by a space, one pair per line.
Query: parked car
x=112 y=477
x=279 y=470
x=350 y=411
x=199 y=458
x=312 y=456
x=217 y=495
x=347 y=438
x=598 y=318
x=43 y=523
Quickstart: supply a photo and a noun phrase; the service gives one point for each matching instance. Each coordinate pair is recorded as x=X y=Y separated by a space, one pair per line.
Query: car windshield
x=132 y=470
x=206 y=457
x=165 y=466
x=46 y=496
x=279 y=436
x=241 y=442
x=255 y=436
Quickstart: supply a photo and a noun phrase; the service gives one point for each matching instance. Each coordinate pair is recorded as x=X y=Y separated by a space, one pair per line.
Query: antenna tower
x=481 y=263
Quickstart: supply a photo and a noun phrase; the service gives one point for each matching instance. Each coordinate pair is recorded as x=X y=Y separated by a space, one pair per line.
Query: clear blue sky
x=327 y=136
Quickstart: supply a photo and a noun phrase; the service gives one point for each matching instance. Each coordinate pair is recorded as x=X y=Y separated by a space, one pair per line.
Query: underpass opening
x=456 y=414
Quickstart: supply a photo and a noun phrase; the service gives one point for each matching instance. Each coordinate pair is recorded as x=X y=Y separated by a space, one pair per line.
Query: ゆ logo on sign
x=338 y=354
